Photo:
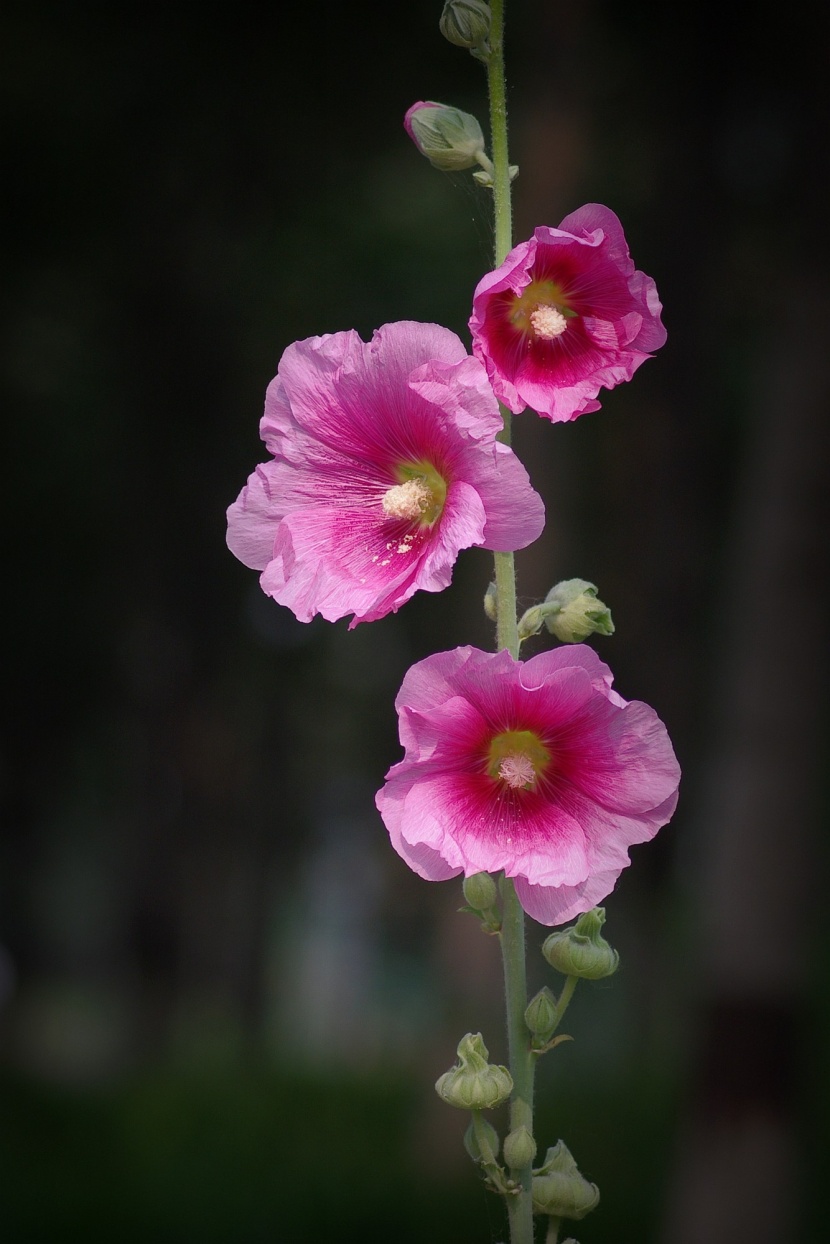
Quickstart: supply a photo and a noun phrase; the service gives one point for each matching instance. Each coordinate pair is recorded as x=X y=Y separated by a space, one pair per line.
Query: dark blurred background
x=224 y=998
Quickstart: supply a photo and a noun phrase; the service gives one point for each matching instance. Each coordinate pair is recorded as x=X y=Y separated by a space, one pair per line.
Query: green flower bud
x=480 y=891
x=531 y=622
x=559 y=1189
x=466 y=23
x=578 y=613
x=581 y=950
x=474 y=1084
x=540 y=1015
x=519 y=1148
x=491 y=608
x=471 y=1141
x=449 y=138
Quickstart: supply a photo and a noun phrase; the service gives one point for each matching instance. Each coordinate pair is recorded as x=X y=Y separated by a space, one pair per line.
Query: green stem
x=507 y=627
x=498 y=133
x=564 y=998
x=522 y=1061
x=507 y=635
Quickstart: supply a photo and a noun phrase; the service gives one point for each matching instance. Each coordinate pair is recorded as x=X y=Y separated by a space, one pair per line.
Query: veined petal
x=537 y=769
x=565 y=315
x=253 y=519
x=353 y=426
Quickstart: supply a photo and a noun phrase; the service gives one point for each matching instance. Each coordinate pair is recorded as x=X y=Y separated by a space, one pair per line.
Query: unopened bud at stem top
x=466 y=23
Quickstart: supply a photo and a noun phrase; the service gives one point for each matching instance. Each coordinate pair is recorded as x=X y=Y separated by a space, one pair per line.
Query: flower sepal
x=581 y=950
x=559 y=1189
x=474 y=1083
x=484 y=177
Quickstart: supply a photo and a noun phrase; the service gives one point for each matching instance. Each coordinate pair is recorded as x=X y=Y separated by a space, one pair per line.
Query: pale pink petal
x=559 y=904
x=253 y=519
x=346 y=422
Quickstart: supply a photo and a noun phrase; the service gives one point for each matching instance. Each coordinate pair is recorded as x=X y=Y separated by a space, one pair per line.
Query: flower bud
x=581 y=950
x=531 y=622
x=578 y=613
x=480 y=891
x=471 y=1141
x=450 y=139
x=466 y=23
x=519 y=1148
x=491 y=607
x=474 y=1084
x=559 y=1189
x=540 y=1015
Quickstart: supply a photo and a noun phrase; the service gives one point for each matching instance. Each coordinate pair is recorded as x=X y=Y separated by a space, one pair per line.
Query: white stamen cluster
x=548 y=322
x=516 y=769
x=407 y=501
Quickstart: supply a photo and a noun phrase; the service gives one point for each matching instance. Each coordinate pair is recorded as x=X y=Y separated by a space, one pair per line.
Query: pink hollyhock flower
x=565 y=315
x=537 y=768
x=384 y=465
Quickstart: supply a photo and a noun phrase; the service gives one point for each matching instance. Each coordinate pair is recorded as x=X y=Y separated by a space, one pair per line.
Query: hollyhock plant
x=537 y=768
x=384 y=465
x=565 y=315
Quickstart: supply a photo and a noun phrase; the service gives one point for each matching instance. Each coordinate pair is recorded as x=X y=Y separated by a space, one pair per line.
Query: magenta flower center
x=420 y=495
x=517 y=758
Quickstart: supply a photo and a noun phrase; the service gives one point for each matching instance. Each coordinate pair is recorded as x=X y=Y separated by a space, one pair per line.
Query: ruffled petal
x=346 y=422
x=613 y=314
x=604 y=774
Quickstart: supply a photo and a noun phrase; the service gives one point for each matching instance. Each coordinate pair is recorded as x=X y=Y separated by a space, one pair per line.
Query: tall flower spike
x=537 y=768
x=565 y=315
x=384 y=465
